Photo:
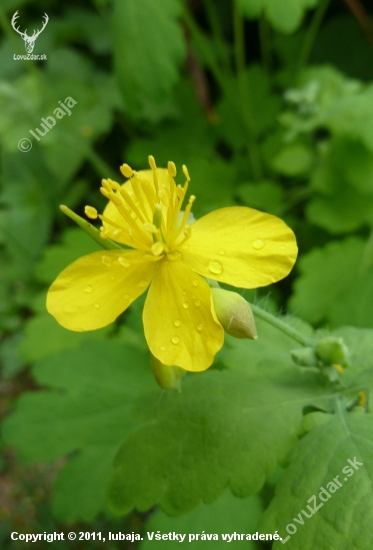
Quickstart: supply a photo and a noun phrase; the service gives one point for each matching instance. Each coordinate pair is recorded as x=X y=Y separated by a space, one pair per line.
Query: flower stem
x=239 y=50
x=311 y=33
x=89 y=229
x=284 y=327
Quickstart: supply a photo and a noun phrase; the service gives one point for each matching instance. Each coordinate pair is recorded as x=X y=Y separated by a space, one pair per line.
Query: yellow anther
x=151 y=161
x=171 y=169
x=192 y=198
x=91 y=212
x=338 y=368
x=157 y=249
x=104 y=192
x=126 y=170
x=150 y=227
x=114 y=185
x=106 y=185
x=186 y=173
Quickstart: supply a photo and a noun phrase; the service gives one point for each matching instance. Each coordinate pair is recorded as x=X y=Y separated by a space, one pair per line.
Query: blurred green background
x=270 y=105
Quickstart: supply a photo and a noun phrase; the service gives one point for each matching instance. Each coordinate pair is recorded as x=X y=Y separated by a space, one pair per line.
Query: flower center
x=153 y=215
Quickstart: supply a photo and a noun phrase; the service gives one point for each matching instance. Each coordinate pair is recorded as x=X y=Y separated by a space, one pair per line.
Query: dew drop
x=200 y=327
x=258 y=244
x=97 y=305
x=186 y=246
x=185 y=305
x=177 y=323
x=163 y=348
x=88 y=289
x=123 y=262
x=283 y=247
x=195 y=282
x=215 y=267
x=126 y=297
x=197 y=303
x=106 y=260
x=175 y=339
x=222 y=252
x=143 y=283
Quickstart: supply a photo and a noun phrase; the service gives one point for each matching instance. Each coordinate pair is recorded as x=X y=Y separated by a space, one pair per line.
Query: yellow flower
x=236 y=245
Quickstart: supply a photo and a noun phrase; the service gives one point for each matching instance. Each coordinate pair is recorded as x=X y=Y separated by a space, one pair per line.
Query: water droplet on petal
x=195 y=282
x=177 y=323
x=143 y=283
x=222 y=251
x=175 y=339
x=283 y=247
x=186 y=246
x=163 y=348
x=200 y=327
x=88 y=289
x=106 y=260
x=123 y=262
x=215 y=267
x=97 y=305
x=126 y=297
x=197 y=303
x=185 y=305
x=258 y=244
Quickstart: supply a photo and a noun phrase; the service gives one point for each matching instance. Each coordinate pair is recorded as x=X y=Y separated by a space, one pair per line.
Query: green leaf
x=264 y=108
x=75 y=243
x=263 y=195
x=180 y=139
x=336 y=284
x=148 y=49
x=293 y=160
x=222 y=425
x=87 y=413
x=344 y=519
x=227 y=515
x=255 y=355
x=285 y=16
x=45 y=337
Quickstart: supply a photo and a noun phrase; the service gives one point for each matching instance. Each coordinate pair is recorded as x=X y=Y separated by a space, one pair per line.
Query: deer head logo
x=29 y=40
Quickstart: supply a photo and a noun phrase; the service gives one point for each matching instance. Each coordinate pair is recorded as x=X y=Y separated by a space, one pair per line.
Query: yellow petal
x=179 y=321
x=112 y=213
x=91 y=292
x=242 y=247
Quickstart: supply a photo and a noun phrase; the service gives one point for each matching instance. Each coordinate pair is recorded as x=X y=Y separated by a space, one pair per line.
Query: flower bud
x=167 y=377
x=332 y=350
x=234 y=314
